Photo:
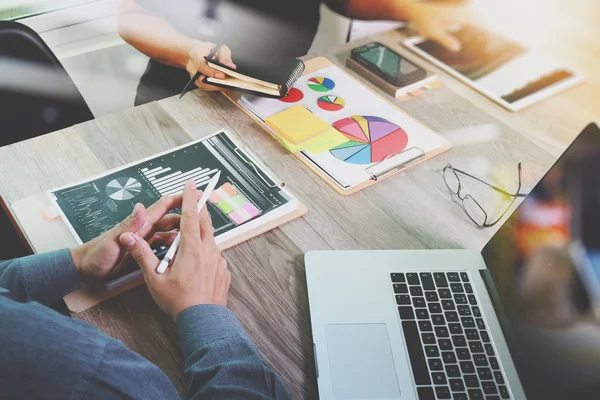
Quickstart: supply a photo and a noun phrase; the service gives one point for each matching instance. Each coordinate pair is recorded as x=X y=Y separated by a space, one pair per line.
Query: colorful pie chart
x=372 y=140
x=320 y=84
x=331 y=103
x=293 y=96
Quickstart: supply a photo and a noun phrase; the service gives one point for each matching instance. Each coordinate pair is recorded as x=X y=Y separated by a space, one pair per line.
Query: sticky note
x=328 y=140
x=236 y=201
x=229 y=189
x=296 y=125
x=223 y=193
x=244 y=214
x=225 y=207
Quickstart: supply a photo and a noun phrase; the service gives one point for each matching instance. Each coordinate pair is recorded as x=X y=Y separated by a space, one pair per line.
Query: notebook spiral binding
x=395 y=167
x=295 y=75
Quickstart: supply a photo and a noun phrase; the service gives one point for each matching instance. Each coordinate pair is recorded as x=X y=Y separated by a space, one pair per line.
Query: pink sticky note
x=252 y=210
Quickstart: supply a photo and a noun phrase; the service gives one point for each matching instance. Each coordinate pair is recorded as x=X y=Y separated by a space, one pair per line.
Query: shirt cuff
x=49 y=277
x=205 y=323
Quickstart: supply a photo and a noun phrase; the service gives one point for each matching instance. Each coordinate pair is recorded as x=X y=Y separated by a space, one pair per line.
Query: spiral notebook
x=272 y=81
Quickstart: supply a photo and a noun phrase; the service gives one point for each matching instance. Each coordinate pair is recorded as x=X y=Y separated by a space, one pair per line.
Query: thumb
x=133 y=222
x=141 y=252
x=447 y=40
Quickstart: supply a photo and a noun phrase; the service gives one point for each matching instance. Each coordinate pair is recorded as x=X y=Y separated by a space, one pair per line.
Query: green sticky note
x=225 y=207
x=236 y=202
x=327 y=141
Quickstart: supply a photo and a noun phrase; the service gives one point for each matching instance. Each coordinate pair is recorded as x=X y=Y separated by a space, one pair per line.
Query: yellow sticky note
x=296 y=125
x=327 y=140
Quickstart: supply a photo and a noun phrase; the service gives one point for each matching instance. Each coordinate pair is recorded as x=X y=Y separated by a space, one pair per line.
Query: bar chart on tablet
x=169 y=183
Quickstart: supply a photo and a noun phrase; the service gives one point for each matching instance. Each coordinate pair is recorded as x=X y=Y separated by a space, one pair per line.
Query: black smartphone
x=388 y=64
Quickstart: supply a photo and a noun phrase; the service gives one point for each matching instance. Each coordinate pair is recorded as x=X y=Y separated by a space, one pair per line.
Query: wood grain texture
x=411 y=210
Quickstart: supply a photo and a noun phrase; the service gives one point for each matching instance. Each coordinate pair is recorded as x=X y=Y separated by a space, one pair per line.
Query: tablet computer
x=497 y=67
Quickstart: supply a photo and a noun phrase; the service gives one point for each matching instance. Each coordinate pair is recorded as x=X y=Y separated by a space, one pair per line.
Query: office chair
x=37 y=96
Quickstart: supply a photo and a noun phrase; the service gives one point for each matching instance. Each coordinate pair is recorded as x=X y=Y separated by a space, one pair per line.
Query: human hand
x=198 y=275
x=434 y=21
x=197 y=63
x=102 y=257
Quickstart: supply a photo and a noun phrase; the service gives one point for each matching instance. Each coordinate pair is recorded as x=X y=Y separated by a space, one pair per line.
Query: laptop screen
x=545 y=263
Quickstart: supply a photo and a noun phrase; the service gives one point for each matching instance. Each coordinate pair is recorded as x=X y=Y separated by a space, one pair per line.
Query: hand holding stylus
x=162 y=267
x=199 y=275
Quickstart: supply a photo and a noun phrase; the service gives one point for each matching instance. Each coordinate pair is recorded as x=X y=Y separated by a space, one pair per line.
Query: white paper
x=359 y=101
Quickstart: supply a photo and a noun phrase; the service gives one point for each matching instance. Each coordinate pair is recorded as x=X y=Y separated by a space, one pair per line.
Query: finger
x=198 y=55
x=206 y=87
x=206 y=229
x=141 y=252
x=447 y=40
x=132 y=223
x=157 y=212
x=163 y=238
x=224 y=56
x=190 y=220
x=168 y=223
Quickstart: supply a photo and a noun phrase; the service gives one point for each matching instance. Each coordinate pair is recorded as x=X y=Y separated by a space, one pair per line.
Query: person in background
x=45 y=355
x=178 y=35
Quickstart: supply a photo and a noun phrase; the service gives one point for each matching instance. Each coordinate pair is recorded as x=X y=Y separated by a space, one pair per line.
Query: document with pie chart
x=379 y=134
x=247 y=195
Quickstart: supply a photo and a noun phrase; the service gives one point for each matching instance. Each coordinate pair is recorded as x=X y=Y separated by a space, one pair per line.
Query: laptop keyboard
x=450 y=348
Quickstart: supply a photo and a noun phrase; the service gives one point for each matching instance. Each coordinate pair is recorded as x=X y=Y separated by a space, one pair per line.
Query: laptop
x=513 y=321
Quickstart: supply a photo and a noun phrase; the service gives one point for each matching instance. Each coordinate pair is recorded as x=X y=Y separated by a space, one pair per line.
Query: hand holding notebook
x=198 y=67
x=273 y=81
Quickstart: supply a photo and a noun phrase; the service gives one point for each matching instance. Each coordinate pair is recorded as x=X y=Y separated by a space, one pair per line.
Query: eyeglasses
x=471 y=206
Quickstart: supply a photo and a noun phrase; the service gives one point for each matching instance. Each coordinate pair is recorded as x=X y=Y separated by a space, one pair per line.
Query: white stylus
x=212 y=184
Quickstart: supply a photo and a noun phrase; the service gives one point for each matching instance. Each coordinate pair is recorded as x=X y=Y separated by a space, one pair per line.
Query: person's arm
x=221 y=361
x=47 y=355
x=44 y=278
x=153 y=35
x=431 y=20
x=158 y=39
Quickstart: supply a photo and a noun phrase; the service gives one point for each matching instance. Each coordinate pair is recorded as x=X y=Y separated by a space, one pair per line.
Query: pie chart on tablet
x=372 y=140
x=123 y=188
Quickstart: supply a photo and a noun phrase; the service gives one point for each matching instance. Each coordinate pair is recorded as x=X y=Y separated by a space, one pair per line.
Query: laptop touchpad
x=360 y=361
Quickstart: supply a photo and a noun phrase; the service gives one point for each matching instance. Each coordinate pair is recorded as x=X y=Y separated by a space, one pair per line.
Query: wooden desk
x=410 y=210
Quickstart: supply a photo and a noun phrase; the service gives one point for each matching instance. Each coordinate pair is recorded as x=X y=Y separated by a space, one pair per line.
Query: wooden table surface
x=411 y=210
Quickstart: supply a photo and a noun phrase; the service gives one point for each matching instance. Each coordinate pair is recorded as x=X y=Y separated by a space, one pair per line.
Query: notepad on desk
x=300 y=130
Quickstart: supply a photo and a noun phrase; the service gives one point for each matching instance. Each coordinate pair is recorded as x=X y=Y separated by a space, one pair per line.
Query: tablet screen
x=497 y=65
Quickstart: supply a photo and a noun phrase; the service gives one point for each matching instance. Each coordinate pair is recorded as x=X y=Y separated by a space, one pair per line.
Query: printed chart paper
x=376 y=129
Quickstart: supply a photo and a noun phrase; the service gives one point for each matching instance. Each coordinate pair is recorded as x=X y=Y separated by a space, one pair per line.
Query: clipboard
x=48 y=232
x=387 y=168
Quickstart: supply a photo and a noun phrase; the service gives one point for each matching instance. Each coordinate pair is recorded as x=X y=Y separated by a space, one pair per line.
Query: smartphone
x=388 y=64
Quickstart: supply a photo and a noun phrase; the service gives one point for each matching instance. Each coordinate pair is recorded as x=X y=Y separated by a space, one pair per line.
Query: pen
x=162 y=267
x=197 y=75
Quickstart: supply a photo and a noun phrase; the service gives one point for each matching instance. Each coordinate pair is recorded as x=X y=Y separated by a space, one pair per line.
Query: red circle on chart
x=293 y=96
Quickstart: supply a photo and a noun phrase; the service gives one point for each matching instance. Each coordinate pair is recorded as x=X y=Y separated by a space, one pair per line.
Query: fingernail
x=191 y=184
x=135 y=210
x=220 y=75
x=127 y=240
